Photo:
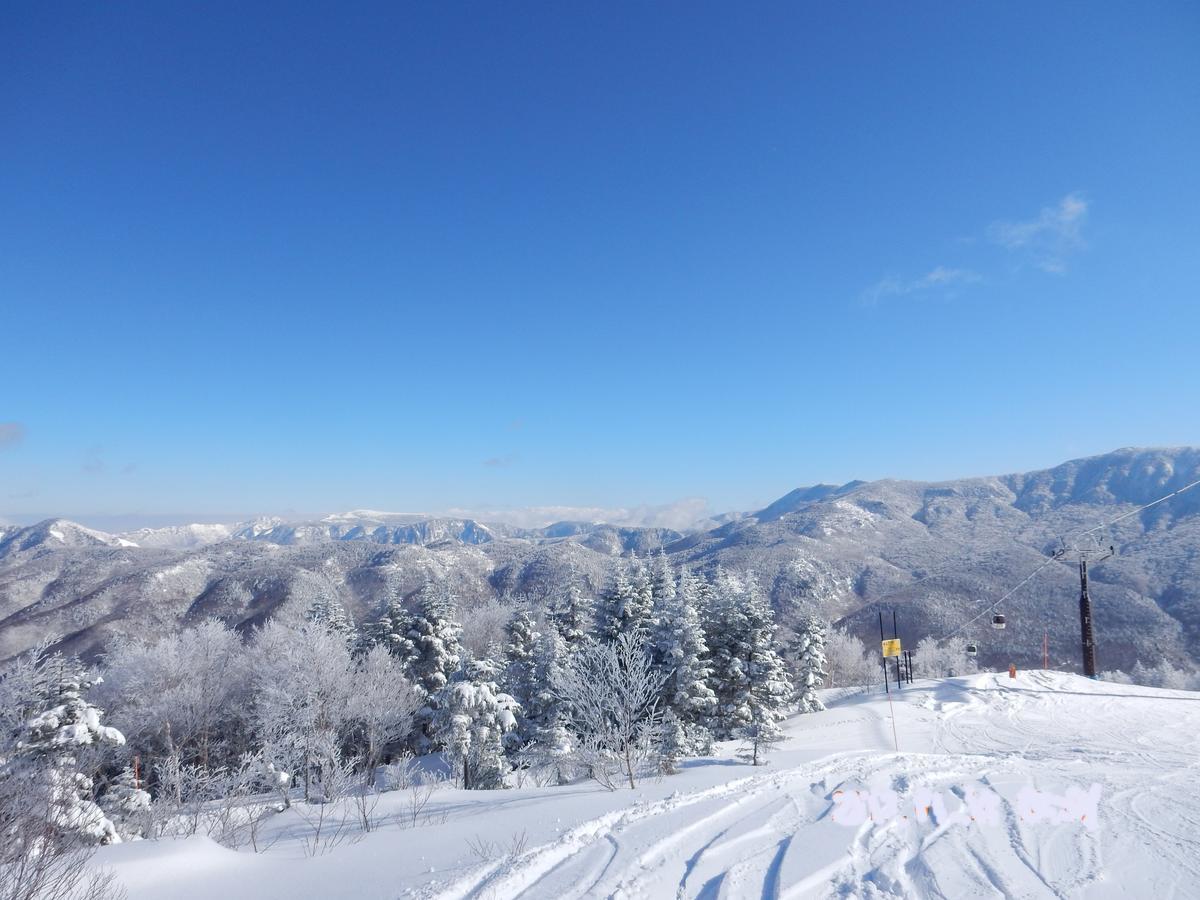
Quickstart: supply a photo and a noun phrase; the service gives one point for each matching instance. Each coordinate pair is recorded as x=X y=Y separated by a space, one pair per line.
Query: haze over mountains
x=939 y=553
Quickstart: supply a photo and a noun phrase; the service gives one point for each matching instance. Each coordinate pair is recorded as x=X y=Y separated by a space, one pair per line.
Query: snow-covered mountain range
x=939 y=553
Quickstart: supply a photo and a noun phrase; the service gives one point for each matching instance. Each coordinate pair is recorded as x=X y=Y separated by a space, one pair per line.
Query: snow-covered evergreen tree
x=574 y=616
x=550 y=740
x=808 y=654
x=724 y=633
x=519 y=675
x=626 y=606
x=679 y=649
x=329 y=612
x=429 y=644
x=388 y=629
x=127 y=805
x=676 y=742
x=748 y=676
x=48 y=745
x=470 y=722
x=767 y=692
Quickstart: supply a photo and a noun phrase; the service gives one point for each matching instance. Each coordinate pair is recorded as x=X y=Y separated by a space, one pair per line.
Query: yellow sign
x=891 y=648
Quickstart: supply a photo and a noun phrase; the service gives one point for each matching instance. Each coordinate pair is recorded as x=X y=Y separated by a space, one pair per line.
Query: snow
x=1020 y=754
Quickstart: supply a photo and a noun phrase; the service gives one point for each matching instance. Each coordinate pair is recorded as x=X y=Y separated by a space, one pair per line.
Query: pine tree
x=766 y=693
x=574 y=616
x=388 y=629
x=429 y=643
x=676 y=742
x=470 y=722
x=626 y=605
x=678 y=648
x=809 y=655
x=126 y=805
x=550 y=740
x=329 y=613
x=725 y=629
x=47 y=748
x=519 y=675
x=747 y=673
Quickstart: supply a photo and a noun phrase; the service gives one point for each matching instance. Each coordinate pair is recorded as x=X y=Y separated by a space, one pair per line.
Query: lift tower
x=1087 y=632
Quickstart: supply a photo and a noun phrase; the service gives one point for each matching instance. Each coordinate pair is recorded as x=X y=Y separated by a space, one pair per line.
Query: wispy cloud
x=941 y=279
x=1048 y=239
x=499 y=462
x=11 y=434
x=679 y=515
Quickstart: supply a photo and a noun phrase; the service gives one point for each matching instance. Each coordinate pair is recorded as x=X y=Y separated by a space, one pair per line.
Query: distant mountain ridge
x=936 y=552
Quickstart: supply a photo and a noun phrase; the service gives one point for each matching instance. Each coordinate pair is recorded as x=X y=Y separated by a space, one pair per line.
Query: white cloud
x=940 y=278
x=1049 y=238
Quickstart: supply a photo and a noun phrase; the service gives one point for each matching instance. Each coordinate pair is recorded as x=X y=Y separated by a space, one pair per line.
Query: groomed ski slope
x=1009 y=751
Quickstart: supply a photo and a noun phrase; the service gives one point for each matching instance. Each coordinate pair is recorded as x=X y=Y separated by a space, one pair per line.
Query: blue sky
x=304 y=258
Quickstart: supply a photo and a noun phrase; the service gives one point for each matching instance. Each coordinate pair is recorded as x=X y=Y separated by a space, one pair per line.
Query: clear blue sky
x=272 y=257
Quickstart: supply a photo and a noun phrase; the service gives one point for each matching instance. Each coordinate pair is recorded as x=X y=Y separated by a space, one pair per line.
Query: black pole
x=886 y=689
x=1085 y=622
x=896 y=635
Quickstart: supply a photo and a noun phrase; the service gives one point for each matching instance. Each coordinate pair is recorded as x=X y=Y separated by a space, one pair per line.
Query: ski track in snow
x=769 y=835
x=723 y=830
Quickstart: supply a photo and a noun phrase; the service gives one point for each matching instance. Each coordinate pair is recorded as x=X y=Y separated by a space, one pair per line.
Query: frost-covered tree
x=519 y=679
x=574 y=615
x=388 y=629
x=470 y=722
x=679 y=650
x=329 y=612
x=46 y=752
x=808 y=654
x=430 y=643
x=944 y=660
x=747 y=674
x=304 y=698
x=626 y=606
x=676 y=742
x=610 y=691
x=127 y=805
x=767 y=692
x=1163 y=675
x=725 y=631
x=483 y=624
x=847 y=660
x=383 y=706
x=184 y=693
x=549 y=739
x=38 y=859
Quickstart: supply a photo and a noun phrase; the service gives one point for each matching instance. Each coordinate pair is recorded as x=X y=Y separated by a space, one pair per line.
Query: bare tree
x=611 y=692
x=38 y=859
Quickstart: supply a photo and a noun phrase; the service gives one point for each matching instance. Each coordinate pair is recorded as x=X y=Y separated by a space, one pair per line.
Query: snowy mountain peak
x=56 y=534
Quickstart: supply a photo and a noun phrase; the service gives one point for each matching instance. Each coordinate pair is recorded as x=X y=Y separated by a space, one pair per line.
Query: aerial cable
x=1186 y=487
x=1059 y=554
x=988 y=609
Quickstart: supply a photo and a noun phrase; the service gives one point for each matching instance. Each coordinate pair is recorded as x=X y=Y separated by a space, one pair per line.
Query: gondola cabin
x=972 y=650
x=998 y=621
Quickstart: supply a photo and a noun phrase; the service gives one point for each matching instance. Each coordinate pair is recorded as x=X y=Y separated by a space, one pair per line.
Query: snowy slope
x=723 y=829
